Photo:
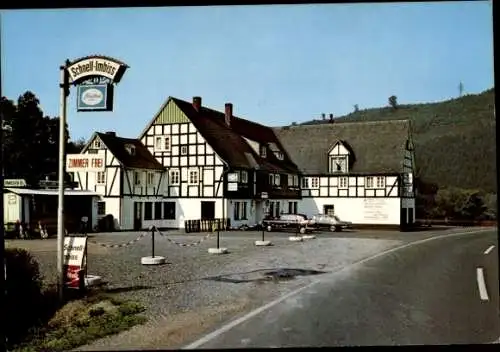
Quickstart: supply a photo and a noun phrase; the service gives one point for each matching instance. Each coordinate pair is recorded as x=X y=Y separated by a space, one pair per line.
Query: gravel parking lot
x=195 y=290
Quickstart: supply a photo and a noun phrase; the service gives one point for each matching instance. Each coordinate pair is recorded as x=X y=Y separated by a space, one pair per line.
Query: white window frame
x=100 y=177
x=240 y=211
x=150 y=180
x=96 y=144
x=137 y=178
x=295 y=180
x=343 y=182
x=193 y=177
x=244 y=176
x=380 y=182
x=290 y=180
x=314 y=182
x=277 y=180
x=271 y=179
x=339 y=157
x=165 y=144
x=369 y=182
x=174 y=177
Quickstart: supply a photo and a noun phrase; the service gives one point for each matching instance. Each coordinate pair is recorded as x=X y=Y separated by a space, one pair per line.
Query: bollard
x=218 y=238
x=152 y=242
x=153 y=260
x=263 y=234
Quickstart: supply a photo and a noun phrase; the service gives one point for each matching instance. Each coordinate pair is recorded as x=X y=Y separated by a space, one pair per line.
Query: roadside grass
x=81 y=321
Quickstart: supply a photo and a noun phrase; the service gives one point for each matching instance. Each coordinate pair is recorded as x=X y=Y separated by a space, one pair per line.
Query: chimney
x=197 y=103
x=228 y=114
x=111 y=133
x=323 y=116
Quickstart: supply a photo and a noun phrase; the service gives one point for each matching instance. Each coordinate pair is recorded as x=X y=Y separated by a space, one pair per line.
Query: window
x=342 y=182
x=96 y=144
x=315 y=182
x=101 y=208
x=101 y=177
x=338 y=164
x=169 y=210
x=263 y=152
x=271 y=179
x=240 y=211
x=290 y=180
x=130 y=149
x=277 y=180
x=148 y=211
x=292 y=207
x=244 y=177
x=380 y=182
x=184 y=150
x=151 y=178
x=158 y=206
x=296 y=180
x=162 y=144
x=305 y=182
x=193 y=177
x=174 y=177
x=137 y=178
x=279 y=155
x=369 y=182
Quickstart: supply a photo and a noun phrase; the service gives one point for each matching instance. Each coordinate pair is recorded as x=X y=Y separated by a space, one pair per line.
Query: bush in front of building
x=24 y=298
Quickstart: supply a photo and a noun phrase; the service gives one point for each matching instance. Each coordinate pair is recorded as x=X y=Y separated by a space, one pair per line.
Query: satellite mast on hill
x=461 y=88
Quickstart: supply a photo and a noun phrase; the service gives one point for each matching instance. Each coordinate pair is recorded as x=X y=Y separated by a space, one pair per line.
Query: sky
x=277 y=64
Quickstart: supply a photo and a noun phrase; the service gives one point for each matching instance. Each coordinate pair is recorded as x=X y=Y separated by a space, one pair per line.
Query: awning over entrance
x=50 y=192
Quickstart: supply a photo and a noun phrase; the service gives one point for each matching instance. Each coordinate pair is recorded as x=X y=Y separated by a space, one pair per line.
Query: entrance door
x=402 y=220
x=329 y=209
x=207 y=210
x=137 y=216
x=410 y=216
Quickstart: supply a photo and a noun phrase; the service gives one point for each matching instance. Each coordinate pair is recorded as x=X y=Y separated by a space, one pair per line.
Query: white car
x=331 y=222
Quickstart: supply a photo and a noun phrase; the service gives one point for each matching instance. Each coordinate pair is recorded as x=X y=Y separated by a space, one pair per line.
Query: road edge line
x=210 y=336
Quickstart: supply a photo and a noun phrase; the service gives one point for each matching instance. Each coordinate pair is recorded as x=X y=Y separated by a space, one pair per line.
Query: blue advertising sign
x=94 y=97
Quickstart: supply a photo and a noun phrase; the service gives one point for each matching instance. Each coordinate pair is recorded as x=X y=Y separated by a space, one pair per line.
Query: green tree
x=31 y=139
x=393 y=101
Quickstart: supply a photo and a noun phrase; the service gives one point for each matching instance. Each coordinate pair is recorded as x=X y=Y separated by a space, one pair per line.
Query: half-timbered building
x=220 y=165
x=130 y=181
x=361 y=171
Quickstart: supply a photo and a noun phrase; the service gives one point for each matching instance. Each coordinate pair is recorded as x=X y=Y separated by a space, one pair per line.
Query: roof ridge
x=376 y=122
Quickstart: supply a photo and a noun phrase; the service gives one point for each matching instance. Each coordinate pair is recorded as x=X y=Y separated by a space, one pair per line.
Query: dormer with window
x=340 y=158
x=130 y=148
x=263 y=151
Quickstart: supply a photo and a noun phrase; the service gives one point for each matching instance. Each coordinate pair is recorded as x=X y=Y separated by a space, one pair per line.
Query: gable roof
x=142 y=159
x=378 y=146
x=228 y=142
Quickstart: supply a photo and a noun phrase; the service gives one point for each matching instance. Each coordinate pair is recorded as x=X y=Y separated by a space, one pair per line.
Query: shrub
x=23 y=293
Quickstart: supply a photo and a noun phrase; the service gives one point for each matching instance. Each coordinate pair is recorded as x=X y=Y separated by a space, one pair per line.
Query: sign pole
x=60 y=208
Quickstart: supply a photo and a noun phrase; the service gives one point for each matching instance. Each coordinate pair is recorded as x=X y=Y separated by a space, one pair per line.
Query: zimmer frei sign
x=84 y=163
x=94 y=77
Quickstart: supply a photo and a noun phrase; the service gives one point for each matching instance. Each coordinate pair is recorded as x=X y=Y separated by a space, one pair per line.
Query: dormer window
x=263 y=152
x=279 y=155
x=338 y=164
x=130 y=148
x=96 y=144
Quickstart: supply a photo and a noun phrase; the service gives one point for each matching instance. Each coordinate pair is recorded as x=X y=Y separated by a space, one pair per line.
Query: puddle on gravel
x=265 y=275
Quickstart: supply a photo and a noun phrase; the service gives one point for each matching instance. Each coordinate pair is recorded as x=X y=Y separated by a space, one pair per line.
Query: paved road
x=423 y=294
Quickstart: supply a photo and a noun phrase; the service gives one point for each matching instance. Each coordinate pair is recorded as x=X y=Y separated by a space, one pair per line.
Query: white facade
x=195 y=171
x=122 y=190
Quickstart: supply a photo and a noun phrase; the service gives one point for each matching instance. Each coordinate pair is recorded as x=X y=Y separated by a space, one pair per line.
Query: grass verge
x=82 y=321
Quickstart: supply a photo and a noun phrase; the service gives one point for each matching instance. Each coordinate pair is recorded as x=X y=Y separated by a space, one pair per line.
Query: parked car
x=331 y=222
x=297 y=222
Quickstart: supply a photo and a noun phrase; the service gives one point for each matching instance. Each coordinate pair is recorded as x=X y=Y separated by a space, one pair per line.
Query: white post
x=60 y=208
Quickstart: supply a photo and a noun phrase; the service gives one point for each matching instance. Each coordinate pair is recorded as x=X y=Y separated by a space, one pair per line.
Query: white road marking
x=207 y=338
x=483 y=293
x=489 y=250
